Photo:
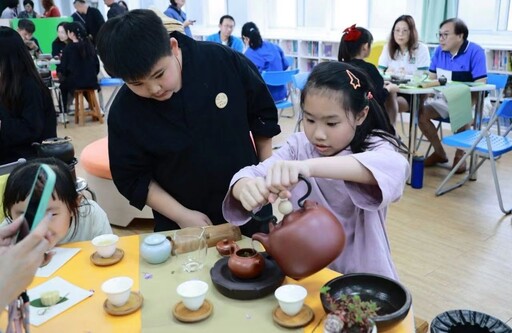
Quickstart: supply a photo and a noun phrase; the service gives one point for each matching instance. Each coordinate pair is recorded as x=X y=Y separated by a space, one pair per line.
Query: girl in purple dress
x=348 y=150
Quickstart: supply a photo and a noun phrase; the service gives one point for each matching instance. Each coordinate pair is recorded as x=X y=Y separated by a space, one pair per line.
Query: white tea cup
x=192 y=293
x=118 y=290
x=105 y=244
x=291 y=298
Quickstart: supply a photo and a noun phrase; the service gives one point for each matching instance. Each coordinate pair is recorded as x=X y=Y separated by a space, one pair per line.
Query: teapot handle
x=300 y=202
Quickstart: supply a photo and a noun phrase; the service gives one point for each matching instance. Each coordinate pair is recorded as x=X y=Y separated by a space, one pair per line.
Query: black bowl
x=467 y=321
x=393 y=300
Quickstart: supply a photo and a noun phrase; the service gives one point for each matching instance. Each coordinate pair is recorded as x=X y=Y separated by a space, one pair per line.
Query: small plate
x=183 y=314
x=245 y=289
x=100 y=261
x=304 y=317
x=134 y=303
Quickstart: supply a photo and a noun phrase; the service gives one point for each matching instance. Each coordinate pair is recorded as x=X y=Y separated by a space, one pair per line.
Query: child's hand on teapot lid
x=283 y=174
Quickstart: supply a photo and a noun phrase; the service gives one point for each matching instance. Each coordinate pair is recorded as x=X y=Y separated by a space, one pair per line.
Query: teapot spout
x=263 y=239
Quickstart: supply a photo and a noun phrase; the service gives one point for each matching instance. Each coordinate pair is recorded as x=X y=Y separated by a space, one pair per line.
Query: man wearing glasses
x=458 y=60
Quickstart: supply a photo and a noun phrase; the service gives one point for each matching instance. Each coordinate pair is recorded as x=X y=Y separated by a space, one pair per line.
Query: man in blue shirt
x=458 y=60
x=224 y=37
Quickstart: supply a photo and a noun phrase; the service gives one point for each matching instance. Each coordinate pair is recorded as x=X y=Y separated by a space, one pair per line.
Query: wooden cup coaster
x=100 y=261
x=133 y=304
x=304 y=317
x=183 y=314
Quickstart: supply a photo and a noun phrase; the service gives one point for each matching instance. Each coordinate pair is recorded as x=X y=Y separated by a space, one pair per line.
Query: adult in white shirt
x=404 y=54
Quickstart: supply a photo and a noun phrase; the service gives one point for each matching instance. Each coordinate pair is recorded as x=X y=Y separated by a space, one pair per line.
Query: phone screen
x=38 y=199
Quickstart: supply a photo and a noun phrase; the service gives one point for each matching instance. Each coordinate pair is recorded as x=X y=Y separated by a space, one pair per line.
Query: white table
x=415 y=107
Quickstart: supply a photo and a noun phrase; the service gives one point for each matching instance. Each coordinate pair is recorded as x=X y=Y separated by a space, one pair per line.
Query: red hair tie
x=351 y=34
x=369 y=95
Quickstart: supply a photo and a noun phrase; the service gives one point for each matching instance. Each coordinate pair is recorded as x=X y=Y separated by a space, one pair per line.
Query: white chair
x=484 y=145
x=6 y=169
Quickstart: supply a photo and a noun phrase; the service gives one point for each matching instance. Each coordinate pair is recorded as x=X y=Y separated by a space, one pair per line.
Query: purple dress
x=360 y=208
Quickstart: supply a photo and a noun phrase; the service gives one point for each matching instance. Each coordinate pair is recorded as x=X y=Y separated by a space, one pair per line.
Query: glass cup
x=190 y=248
x=419 y=76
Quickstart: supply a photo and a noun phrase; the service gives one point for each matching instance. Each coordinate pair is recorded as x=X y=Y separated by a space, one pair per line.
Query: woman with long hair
x=404 y=54
x=60 y=42
x=79 y=64
x=27 y=113
x=50 y=10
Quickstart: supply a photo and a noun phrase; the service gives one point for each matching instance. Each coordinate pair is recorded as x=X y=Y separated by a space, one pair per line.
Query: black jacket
x=187 y=144
x=92 y=21
x=35 y=122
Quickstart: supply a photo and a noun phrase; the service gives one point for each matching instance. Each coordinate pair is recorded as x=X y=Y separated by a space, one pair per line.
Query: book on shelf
x=327 y=50
x=310 y=64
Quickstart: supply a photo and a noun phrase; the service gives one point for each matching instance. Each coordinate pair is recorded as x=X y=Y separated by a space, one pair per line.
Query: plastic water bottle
x=417 y=172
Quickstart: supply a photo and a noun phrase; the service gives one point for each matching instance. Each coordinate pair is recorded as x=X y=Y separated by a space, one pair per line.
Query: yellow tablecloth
x=88 y=315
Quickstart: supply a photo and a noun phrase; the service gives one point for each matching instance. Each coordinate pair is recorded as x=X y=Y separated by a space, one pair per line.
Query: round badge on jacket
x=221 y=100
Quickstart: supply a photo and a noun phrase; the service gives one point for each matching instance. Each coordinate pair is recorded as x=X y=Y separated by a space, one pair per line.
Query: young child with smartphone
x=74 y=218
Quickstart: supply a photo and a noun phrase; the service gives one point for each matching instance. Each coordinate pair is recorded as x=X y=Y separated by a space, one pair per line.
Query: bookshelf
x=307 y=52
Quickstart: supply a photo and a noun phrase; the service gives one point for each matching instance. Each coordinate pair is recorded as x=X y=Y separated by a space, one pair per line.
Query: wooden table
x=157 y=283
x=415 y=107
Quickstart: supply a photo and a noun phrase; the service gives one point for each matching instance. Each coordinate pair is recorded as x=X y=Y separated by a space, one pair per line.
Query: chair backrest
x=375 y=52
x=5 y=170
x=499 y=80
x=291 y=62
x=505 y=109
x=279 y=78
x=299 y=80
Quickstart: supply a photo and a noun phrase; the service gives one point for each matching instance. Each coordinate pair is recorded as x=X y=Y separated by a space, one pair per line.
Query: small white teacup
x=105 y=244
x=118 y=290
x=291 y=298
x=192 y=293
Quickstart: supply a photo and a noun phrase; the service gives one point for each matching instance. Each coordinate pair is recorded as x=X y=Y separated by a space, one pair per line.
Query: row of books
x=501 y=60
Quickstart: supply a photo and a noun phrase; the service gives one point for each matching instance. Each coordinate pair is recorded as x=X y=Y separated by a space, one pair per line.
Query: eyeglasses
x=398 y=31
x=443 y=35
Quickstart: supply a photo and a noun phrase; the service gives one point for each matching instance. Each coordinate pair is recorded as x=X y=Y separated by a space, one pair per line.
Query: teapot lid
x=154 y=239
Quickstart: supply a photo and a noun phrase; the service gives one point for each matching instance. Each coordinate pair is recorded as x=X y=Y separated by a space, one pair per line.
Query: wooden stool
x=94 y=107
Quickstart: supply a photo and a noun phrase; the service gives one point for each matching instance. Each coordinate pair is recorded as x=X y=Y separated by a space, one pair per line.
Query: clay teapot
x=60 y=148
x=225 y=247
x=306 y=240
x=245 y=263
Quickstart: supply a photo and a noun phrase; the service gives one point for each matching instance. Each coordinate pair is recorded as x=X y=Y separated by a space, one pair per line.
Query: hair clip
x=369 y=95
x=354 y=80
x=252 y=29
x=351 y=34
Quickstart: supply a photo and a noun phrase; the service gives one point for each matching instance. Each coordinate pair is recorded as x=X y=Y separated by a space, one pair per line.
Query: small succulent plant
x=349 y=314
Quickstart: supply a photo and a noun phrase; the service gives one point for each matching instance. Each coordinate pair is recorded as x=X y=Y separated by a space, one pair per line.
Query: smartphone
x=38 y=198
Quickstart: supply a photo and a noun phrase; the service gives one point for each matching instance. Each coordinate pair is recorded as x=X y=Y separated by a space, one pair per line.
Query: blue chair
x=109 y=82
x=500 y=81
x=291 y=62
x=299 y=81
x=281 y=78
x=484 y=145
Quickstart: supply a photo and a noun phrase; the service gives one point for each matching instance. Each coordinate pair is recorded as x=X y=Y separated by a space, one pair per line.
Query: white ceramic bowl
x=192 y=293
x=105 y=244
x=118 y=290
x=291 y=298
